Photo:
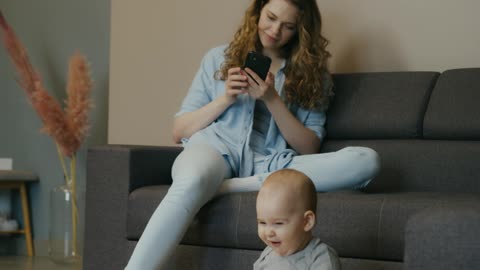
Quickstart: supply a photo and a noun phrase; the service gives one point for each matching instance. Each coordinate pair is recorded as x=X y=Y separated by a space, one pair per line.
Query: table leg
x=26 y=219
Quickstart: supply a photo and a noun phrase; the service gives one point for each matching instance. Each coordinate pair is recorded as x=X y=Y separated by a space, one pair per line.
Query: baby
x=286 y=206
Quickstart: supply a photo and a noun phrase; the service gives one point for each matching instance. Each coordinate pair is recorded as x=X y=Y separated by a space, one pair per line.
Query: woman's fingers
x=238 y=84
x=237 y=91
x=253 y=78
x=270 y=78
x=258 y=88
x=234 y=70
x=236 y=79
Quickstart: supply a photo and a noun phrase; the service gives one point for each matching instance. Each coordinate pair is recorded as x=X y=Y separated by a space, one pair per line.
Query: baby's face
x=280 y=225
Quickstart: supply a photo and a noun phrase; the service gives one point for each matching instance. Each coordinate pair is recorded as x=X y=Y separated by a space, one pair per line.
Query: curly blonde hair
x=308 y=83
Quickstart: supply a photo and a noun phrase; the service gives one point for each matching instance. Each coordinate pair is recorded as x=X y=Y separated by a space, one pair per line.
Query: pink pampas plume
x=78 y=102
x=68 y=128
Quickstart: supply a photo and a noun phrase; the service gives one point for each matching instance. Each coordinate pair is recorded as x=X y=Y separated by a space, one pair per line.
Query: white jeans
x=198 y=174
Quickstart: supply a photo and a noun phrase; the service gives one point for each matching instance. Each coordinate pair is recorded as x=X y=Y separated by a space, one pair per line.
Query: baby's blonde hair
x=295 y=183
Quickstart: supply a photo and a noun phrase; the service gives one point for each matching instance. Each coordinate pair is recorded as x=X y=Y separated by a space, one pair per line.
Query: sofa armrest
x=151 y=165
x=113 y=171
x=443 y=238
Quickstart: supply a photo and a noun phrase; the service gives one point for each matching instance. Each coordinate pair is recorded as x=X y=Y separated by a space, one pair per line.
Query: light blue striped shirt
x=231 y=132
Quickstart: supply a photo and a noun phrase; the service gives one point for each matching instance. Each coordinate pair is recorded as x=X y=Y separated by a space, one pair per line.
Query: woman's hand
x=258 y=88
x=236 y=84
x=300 y=138
x=188 y=123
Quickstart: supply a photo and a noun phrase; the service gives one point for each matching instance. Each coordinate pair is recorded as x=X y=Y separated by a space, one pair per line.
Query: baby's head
x=286 y=205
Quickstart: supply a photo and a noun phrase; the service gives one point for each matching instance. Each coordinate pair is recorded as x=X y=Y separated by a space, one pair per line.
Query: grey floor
x=33 y=263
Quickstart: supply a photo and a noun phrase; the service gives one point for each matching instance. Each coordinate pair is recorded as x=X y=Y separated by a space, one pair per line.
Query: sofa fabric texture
x=421 y=212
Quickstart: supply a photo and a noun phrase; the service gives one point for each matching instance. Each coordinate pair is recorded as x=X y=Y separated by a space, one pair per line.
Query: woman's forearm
x=300 y=138
x=188 y=123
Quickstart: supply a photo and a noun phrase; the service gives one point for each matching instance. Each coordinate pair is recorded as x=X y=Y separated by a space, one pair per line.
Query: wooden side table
x=18 y=180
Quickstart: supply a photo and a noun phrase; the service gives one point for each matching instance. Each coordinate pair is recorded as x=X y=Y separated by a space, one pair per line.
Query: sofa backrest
x=424 y=125
x=453 y=111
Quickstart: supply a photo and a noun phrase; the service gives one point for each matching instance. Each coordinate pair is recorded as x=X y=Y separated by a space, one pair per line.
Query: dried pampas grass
x=69 y=126
x=78 y=102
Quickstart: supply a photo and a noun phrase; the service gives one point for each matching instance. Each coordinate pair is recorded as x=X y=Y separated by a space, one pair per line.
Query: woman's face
x=277 y=25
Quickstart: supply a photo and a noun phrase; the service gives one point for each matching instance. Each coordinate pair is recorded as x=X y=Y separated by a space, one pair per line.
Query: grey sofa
x=421 y=212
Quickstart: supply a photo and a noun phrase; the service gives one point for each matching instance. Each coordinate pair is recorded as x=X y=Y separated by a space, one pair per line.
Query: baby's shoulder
x=319 y=253
x=262 y=261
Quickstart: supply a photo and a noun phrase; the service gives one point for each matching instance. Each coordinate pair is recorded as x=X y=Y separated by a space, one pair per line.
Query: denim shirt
x=230 y=132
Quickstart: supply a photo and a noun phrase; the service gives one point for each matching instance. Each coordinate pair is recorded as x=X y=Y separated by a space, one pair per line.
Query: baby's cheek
x=260 y=233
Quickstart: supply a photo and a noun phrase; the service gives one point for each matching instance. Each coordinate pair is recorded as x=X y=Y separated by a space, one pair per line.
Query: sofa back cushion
x=425 y=127
x=383 y=105
x=453 y=112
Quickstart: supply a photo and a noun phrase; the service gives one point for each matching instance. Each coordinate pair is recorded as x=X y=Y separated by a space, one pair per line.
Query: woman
x=234 y=125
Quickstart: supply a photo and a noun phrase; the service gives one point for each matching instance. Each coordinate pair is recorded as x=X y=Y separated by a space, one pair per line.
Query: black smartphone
x=259 y=63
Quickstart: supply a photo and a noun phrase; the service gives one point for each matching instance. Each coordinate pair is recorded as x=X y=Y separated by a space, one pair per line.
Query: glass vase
x=63 y=230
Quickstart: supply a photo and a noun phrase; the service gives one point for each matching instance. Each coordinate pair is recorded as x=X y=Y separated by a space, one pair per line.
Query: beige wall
x=156 y=47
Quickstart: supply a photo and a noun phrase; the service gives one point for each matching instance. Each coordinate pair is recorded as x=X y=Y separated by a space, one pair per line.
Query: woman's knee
x=199 y=168
x=366 y=158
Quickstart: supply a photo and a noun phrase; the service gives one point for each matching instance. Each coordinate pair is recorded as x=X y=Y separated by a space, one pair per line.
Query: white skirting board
x=6 y=163
x=5 y=200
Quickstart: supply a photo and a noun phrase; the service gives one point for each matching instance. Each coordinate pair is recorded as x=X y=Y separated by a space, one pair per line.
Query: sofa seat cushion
x=356 y=224
x=453 y=231
x=421 y=165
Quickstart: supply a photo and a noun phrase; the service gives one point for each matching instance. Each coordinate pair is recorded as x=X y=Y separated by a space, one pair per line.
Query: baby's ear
x=309 y=219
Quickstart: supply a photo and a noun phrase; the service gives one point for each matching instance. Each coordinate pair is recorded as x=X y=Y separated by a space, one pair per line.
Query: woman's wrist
x=226 y=100
x=271 y=98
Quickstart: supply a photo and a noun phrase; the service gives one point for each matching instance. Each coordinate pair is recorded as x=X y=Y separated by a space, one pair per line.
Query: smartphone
x=259 y=63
